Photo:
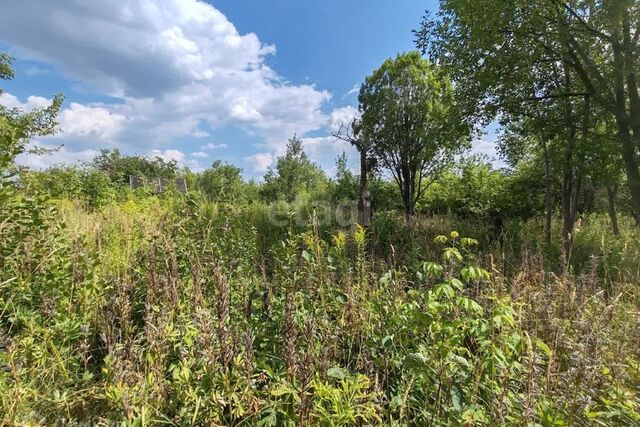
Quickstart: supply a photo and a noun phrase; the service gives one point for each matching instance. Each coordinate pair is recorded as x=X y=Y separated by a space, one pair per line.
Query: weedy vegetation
x=164 y=311
x=472 y=296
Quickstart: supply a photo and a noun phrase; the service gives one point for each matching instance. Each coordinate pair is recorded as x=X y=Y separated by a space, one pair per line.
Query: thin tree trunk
x=408 y=210
x=568 y=175
x=363 y=188
x=631 y=165
x=628 y=142
x=407 y=195
x=612 y=191
x=547 y=194
x=631 y=68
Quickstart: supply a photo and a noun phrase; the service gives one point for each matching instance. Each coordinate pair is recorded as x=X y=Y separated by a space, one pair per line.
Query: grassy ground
x=152 y=312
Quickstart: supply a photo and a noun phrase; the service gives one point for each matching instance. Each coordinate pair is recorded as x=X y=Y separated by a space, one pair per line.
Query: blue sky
x=333 y=43
x=196 y=82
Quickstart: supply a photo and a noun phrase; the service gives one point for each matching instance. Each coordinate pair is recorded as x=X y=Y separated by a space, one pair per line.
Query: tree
x=22 y=218
x=354 y=135
x=593 y=44
x=606 y=167
x=18 y=127
x=56 y=181
x=345 y=185
x=97 y=188
x=293 y=176
x=222 y=182
x=409 y=115
x=529 y=137
x=119 y=166
x=508 y=62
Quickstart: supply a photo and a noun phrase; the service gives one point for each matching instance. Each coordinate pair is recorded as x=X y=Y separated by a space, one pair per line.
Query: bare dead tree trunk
x=350 y=134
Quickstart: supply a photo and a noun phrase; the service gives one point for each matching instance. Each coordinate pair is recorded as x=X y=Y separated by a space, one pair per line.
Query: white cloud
x=11 y=101
x=62 y=156
x=324 y=150
x=484 y=147
x=133 y=48
x=342 y=116
x=76 y=122
x=96 y=122
x=175 y=65
x=199 y=155
x=199 y=133
x=488 y=148
x=168 y=155
x=259 y=162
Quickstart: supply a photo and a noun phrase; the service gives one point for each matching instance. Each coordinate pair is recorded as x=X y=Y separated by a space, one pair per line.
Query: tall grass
x=152 y=312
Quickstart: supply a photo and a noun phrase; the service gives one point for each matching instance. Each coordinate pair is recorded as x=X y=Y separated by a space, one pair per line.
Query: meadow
x=169 y=310
x=419 y=283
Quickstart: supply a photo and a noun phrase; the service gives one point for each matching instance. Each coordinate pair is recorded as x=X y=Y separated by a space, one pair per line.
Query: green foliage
x=58 y=181
x=6 y=67
x=345 y=185
x=118 y=306
x=96 y=188
x=222 y=182
x=118 y=166
x=294 y=175
x=472 y=189
x=92 y=186
x=150 y=311
x=18 y=127
x=410 y=117
x=348 y=402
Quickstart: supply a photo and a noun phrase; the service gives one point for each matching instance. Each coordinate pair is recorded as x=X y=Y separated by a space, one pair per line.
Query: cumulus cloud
x=168 y=155
x=259 y=162
x=175 y=65
x=133 y=48
x=61 y=156
x=342 y=116
x=199 y=155
x=97 y=122
x=324 y=150
x=11 y=101
x=77 y=121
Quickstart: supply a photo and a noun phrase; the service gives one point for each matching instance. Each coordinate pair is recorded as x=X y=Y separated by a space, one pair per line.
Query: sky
x=196 y=81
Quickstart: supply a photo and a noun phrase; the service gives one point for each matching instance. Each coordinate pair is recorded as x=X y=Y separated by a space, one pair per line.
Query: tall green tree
x=507 y=63
x=409 y=114
x=590 y=47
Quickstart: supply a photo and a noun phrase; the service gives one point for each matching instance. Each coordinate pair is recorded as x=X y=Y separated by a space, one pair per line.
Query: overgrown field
x=166 y=311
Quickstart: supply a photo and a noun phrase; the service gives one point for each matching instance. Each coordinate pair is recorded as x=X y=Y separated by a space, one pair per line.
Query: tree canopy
x=409 y=114
x=119 y=166
x=294 y=174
